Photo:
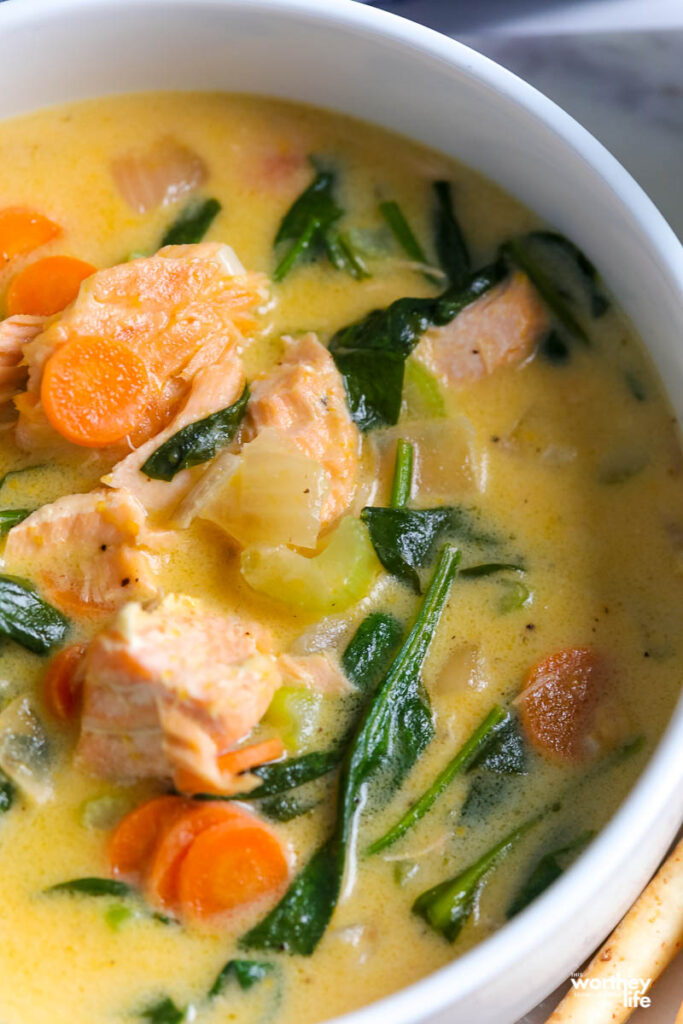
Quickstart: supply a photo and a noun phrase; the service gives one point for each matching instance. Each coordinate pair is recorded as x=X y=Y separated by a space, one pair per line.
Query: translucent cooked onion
x=271 y=494
x=25 y=750
x=162 y=174
x=448 y=459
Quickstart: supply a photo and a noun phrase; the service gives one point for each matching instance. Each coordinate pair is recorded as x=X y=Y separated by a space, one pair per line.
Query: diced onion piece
x=274 y=496
x=464 y=670
x=447 y=462
x=164 y=173
x=212 y=483
x=25 y=750
x=341 y=574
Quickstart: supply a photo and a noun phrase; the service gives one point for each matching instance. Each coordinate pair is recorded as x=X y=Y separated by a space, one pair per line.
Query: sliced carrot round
x=22 y=230
x=135 y=837
x=560 y=699
x=228 y=867
x=175 y=841
x=94 y=391
x=62 y=686
x=47 y=286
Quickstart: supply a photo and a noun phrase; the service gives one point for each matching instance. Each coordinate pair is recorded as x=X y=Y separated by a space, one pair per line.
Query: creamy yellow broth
x=603 y=567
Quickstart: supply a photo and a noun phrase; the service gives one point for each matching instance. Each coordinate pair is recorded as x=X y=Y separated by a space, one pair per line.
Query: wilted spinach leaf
x=449 y=240
x=27 y=619
x=506 y=754
x=395 y=728
x=367 y=654
x=306 y=222
x=93 y=887
x=197 y=442
x=546 y=871
x=245 y=972
x=370 y=353
x=192 y=223
x=405 y=539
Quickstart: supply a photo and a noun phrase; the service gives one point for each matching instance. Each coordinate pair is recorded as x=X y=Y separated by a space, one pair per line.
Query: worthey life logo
x=633 y=990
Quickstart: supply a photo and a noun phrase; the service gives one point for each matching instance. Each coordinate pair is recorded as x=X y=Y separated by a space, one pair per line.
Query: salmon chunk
x=90 y=552
x=303 y=399
x=502 y=328
x=177 y=310
x=170 y=688
x=214 y=387
x=15 y=333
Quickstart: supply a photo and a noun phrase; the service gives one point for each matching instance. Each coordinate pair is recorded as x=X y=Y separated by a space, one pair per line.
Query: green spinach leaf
x=477 y=743
x=519 y=252
x=597 y=301
x=93 y=887
x=370 y=354
x=10 y=517
x=507 y=752
x=192 y=223
x=164 y=1011
x=394 y=730
x=7 y=793
x=245 y=972
x=405 y=539
x=27 y=619
x=546 y=871
x=307 y=221
x=368 y=653
x=197 y=442
x=447 y=906
x=344 y=255
x=449 y=240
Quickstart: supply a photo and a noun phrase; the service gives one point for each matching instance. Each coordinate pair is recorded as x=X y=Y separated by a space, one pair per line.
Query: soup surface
x=443 y=552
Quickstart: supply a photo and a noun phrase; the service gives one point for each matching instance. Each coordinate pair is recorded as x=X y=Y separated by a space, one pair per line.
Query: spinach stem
x=447 y=906
x=403 y=474
x=481 y=736
x=300 y=246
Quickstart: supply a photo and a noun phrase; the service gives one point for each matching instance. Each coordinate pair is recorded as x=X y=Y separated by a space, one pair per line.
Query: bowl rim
x=659 y=787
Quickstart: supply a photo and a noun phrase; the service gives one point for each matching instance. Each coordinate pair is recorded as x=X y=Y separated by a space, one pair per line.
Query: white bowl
x=373 y=65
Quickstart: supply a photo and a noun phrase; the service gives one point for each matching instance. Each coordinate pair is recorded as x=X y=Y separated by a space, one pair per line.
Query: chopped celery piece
x=515 y=596
x=294 y=711
x=422 y=394
x=330 y=581
x=117 y=914
x=103 y=812
x=273 y=497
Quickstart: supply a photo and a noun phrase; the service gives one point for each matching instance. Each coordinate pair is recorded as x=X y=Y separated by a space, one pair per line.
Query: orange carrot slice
x=47 y=286
x=94 y=391
x=62 y=686
x=228 y=867
x=135 y=837
x=559 y=701
x=175 y=841
x=233 y=762
x=22 y=230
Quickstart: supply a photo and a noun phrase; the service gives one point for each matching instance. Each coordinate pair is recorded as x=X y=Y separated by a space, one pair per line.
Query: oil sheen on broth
x=561 y=459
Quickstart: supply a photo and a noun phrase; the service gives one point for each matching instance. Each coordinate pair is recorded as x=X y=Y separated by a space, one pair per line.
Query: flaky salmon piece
x=214 y=387
x=169 y=688
x=177 y=310
x=15 y=333
x=303 y=399
x=502 y=328
x=90 y=552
